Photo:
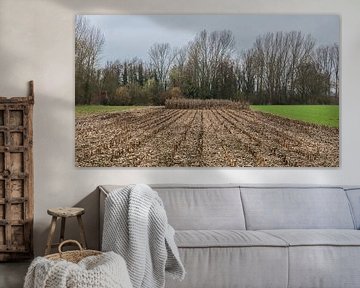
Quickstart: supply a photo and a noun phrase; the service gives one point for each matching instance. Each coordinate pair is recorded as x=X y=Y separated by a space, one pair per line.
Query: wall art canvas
x=207 y=90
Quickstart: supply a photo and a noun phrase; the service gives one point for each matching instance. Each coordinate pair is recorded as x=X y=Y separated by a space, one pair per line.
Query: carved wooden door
x=16 y=177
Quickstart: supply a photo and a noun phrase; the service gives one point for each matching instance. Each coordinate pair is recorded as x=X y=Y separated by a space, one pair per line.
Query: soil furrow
x=300 y=149
x=160 y=151
x=161 y=137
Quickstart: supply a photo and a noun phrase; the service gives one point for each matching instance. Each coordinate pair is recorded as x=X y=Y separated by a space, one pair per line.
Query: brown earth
x=157 y=137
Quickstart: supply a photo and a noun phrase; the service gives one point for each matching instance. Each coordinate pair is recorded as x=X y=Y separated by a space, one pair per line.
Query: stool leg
x=51 y=235
x=62 y=230
x=82 y=232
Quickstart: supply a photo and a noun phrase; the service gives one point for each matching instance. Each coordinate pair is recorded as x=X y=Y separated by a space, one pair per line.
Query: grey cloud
x=131 y=35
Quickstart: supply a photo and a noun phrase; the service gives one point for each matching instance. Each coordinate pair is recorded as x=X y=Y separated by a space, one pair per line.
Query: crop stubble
x=158 y=137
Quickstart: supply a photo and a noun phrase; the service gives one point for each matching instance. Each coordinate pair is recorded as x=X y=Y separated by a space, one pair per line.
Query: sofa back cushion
x=354 y=198
x=203 y=208
x=296 y=208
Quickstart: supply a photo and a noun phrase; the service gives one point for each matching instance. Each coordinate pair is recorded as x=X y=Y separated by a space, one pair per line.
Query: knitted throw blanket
x=103 y=271
x=136 y=227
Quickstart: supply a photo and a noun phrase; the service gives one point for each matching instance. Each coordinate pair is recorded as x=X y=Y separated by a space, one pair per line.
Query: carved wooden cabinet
x=16 y=177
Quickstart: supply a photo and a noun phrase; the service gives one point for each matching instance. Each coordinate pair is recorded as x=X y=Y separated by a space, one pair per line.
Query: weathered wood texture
x=16 y=177
x=63 y=213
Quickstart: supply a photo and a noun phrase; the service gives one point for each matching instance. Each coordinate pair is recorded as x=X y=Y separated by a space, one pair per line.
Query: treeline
x=280 y=68
x=288 y=68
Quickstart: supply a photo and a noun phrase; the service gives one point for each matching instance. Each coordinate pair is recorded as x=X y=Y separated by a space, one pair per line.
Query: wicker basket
x=72 y=256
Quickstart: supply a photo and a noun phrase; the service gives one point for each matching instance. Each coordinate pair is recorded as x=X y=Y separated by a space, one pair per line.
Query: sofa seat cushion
x=225 y=238
x=317 y=237
x=236 y=267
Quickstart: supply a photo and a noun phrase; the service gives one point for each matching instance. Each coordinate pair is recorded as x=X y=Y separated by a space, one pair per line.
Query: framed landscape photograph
x=207 y=90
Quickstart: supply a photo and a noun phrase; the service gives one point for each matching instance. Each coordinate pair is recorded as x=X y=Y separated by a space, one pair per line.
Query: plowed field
x=159 y=137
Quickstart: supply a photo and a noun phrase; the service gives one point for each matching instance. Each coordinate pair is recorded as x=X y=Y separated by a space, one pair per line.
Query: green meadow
x=327 y=115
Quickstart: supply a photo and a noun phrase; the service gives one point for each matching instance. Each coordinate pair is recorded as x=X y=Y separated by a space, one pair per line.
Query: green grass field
x=85 y=110
x=327 y=115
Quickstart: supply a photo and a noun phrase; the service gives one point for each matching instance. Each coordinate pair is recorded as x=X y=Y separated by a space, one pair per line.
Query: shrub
x=123 y=96
x=174 y=93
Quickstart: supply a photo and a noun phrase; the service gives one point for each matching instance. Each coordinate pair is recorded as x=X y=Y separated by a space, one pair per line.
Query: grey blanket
x=136 y=227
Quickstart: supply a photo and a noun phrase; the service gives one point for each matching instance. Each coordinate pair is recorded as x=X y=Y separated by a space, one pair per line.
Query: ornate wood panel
x=16 y=177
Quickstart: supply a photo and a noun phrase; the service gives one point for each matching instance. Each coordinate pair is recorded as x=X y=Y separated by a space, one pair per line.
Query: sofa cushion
x=204 y=208
x=191 y=207
x=317 y=237
x=324 y=266
x=226 y=238
x=354 y=198
x=322 y=258
x=296 y=208
x=220 y=267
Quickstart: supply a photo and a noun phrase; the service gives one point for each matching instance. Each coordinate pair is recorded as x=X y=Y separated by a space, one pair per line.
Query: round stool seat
x=66 y=211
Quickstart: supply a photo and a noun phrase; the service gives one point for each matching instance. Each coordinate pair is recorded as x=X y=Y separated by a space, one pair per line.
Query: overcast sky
x=128 y=36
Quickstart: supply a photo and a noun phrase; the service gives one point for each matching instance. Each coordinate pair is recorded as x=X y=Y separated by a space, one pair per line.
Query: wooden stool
x=64 y=213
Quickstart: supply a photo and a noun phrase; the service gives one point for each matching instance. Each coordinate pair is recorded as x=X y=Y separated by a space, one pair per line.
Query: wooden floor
x=12 y=274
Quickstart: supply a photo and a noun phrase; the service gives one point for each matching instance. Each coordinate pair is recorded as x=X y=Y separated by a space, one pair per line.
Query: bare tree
x=327 y=60
x=207 y=55
x=89 y=42
x=272 y=64
x=325 y=63
x=177 y=72
x=334 y=55
x=247 y=72
x=161 y=58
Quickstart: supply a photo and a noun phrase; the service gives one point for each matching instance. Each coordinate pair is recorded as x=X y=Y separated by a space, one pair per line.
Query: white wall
x=37 y=42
